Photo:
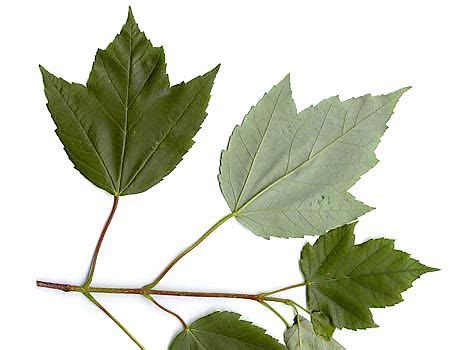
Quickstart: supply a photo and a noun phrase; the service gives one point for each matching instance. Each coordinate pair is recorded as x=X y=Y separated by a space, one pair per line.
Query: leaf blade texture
x=322 y=325
x=127 y=128
x=286 y=174
x=302 y=336
x=345 y=280
x=224 y=331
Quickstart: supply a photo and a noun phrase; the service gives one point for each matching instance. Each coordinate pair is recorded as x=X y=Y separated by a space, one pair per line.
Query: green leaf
x=127 y=128
x=224 y=331
x=302 y=336
x=286 y=174
x=322 y=325
x=345 y=280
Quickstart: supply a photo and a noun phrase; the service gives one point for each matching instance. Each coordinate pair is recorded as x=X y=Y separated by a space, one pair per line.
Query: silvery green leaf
x=302 y=336
x=286 y=174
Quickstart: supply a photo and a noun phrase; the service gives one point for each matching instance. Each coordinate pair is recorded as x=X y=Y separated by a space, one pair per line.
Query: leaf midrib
x=125 y=134
x=259 y=147
x=299 y=332
x=311 y=282
x=153 y=69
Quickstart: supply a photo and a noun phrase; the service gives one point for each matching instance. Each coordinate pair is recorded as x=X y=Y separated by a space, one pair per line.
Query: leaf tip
x=44 y=72
x=216 y=69
x=130 y=17
x=402 y=91
x=307 y=245
x=287 y=79
x=432 y=269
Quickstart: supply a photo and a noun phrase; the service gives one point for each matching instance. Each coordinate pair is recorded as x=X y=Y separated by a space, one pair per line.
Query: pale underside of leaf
x=345 y=280
x=287 y=174
x=127 y=129
x=301 y=336
x=224 y=331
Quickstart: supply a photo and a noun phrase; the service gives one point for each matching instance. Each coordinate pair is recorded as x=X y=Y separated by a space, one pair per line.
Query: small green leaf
x=127 y=128
x=302 y=336
x=345 y=280
x=322 y=325
x=286 y=174
x=224 y=331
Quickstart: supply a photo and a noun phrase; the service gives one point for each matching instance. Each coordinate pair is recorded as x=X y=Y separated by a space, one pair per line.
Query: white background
x=51 y=216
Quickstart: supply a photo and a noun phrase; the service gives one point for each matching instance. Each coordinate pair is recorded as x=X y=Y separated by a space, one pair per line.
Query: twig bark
x=144 y=291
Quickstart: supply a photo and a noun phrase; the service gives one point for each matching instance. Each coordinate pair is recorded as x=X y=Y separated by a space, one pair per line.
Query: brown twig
x=143 y=291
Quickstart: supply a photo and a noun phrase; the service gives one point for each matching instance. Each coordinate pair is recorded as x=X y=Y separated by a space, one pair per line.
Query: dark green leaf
x=302 y=336
x=127 y=128
x=345 y=280
x=286 y=174
x=322 y=325
x=224 y=331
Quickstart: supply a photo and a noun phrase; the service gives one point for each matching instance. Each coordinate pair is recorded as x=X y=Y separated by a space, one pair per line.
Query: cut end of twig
x=58 y=286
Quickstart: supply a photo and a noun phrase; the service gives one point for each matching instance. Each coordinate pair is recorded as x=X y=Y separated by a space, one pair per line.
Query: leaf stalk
x=272 y=309
x=92 y=267
x=298 y=285
x=170 y=312
x=103 y=309
x=188 y=250
x=289 y=302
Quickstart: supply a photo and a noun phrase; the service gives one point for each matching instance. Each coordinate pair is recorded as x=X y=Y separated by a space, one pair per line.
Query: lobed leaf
x=302 y=336
x=345 y=280
x=286 y=174
x=224 y=331
x=127 y=128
